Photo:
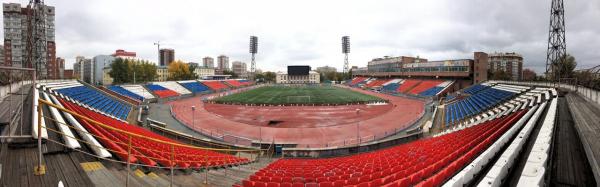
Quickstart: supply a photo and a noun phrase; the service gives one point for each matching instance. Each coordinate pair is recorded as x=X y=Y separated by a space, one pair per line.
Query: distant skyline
x=309 y=32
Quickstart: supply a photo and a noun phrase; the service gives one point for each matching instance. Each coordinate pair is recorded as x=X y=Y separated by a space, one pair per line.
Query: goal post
x=298 y=99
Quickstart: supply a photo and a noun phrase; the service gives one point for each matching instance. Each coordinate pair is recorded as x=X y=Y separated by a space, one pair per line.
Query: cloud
x=309 y=32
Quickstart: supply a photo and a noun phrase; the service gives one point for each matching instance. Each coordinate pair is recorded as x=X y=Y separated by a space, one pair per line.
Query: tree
x=229 y=72
x=128 y=70
x=179 y=70
x=270 y=76
x=501 y=75
x=564 y=67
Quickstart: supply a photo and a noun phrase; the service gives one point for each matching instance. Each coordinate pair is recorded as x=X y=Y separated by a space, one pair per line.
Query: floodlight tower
x=346 y=50
x=557 y=47
x=36 y=38
x=253 y=51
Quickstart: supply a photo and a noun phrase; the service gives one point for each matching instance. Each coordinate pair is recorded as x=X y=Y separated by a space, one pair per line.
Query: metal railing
x=131 y=147
x=16 y=80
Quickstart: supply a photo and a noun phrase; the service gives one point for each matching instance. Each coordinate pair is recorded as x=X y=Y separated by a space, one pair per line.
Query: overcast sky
x=309 y=32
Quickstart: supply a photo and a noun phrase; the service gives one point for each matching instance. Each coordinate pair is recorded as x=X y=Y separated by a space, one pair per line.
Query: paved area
x=403 y=113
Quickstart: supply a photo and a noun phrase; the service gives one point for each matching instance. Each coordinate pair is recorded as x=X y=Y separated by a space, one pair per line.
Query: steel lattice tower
x=253 y=51
x=346 y=50
x=36 y=38
x=557 y=47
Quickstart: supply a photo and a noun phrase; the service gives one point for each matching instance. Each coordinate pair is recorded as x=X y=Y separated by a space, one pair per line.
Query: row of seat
x=172 y=88
x=125 y=92
x=433 y=91
x=426 y=88
x=475 y=104
x=194 y=86
x=425 y=162
x=156 y=152
x=97 y=100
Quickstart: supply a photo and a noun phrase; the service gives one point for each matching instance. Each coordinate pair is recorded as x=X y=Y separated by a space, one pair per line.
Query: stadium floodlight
x=253 y=51
x=346 y=50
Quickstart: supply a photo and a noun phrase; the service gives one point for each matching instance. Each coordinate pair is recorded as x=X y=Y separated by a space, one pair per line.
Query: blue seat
x=122 y=91
x=97 y=100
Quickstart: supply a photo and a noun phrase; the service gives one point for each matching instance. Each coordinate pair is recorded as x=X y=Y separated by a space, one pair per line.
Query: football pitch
x=309 y=94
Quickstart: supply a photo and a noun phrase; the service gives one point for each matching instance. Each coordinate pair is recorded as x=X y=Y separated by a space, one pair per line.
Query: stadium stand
x=436 y=89
x=146 y=151
x=139 y=90
x=194 y=86
x=94 y=99
x=215 y=85
x=475 y=104
x=376 y=83
x=234 y=83
x=174 y=86
x=425 y=162
x=424 y=85
x=125 y=92
x=356 y=80
x=161 y=91
x=407 y=85
x=392 y=85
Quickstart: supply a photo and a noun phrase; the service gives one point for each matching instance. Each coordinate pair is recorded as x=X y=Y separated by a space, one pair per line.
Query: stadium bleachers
x=122 y=91
x=392 y=85
x=215 y=85
x=194 y=86
x=475 y=104
x=425 y=162
x=145 y=151
x=161 y=91
x=233 y=83
x=138 y=90
x=425 y=85
x=97 y=100
x=433 y=91
x=407 y=85
x=173 y=86
x=357 y=80
x=376 y=83
x=475 y=88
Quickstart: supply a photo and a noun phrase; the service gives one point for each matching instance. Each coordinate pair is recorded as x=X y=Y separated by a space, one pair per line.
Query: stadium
x=398 y=122
x=374 y=129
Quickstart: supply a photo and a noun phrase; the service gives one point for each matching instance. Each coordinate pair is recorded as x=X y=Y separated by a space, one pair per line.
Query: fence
x=128 y=144
x=14 y=96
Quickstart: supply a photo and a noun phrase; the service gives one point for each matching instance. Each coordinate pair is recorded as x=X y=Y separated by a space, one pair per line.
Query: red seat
x=260 y=184
x=272 y=184
x=298 y=184
x=247 y=183
x=285 y=184
x=326 y=184
x=339 y=183
x=311 y=184
x=364 y=184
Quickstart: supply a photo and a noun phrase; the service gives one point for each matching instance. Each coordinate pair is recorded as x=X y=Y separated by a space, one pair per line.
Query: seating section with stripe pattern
x=425 y=162
x=95 y=99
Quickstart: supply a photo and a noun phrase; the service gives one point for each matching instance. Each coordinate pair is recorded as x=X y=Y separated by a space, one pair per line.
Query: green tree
x=126 y=70
x=229 y=72
x=270 y=76
x=564 y=67
x=501 y=75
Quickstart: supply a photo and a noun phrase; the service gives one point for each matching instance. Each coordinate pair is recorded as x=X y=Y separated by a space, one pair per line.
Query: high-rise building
x=99 y=63
x=88 y=71
x=208 y=62
x=17 y=33
x=166 y=56
x=239 y=68
x=1 y=55
x=511 y=63
x=59 y=70
x=223 y=62
x=77 y=67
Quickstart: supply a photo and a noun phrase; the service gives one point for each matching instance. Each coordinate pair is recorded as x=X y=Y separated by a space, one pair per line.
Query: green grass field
x=297 y=95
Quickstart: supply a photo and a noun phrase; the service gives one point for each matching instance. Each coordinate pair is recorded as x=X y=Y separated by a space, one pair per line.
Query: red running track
x=401 y=113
